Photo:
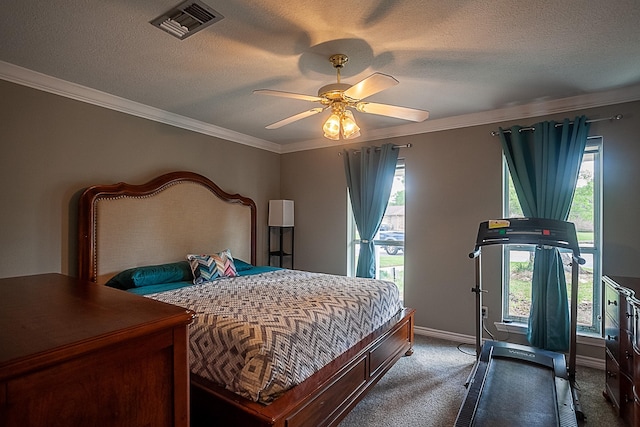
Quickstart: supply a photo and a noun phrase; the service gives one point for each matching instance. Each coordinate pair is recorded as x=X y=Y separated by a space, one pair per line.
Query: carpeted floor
x=427 y=389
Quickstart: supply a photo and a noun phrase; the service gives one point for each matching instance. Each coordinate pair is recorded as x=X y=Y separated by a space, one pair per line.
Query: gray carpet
x=427 y=389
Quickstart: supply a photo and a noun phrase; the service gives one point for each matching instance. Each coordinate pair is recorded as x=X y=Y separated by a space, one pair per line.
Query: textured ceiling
x=452 y=58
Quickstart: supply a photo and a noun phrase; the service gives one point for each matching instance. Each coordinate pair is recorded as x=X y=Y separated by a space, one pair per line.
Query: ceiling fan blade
x=404 y=113
x=295 y=117
x=288 y=95
x=376 y=82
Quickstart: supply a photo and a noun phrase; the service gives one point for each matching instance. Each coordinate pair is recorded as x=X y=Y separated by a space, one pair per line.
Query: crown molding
x=46 y=83
x=43 y=82
x=517 y=112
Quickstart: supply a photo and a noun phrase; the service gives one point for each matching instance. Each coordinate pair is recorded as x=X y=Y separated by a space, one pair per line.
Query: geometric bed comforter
x=259 y=335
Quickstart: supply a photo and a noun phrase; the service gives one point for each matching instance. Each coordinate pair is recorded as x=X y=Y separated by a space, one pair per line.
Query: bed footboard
x=322 y=400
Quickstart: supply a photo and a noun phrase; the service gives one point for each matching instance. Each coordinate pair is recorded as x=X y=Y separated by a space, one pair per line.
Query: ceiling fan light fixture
x=350 y=128
x=331 y=127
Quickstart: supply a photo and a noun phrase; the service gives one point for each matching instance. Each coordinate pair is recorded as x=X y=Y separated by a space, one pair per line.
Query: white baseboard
x=589 y=362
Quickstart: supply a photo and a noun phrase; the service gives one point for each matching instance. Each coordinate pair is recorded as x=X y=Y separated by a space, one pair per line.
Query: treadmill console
x=528 y=231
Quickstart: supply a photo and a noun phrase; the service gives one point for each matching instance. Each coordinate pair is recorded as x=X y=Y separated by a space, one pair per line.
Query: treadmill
x=517 y=385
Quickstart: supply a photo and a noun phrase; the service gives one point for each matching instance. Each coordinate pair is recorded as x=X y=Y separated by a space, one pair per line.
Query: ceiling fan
x=341 y=96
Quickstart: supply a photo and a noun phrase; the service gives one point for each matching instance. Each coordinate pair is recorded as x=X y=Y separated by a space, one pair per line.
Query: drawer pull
x=627 y=355
x=609 y=302
x=611 y=374
x=628 y=315
x=612 y=337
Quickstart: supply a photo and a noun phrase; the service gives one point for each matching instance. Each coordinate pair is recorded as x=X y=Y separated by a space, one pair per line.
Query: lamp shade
x=281 y=213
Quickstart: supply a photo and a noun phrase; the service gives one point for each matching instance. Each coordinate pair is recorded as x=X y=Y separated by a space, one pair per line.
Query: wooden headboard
x=126 y=225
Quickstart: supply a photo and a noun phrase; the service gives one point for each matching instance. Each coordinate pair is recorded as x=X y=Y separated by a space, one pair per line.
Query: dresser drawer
x=612 y=380
x=611 y=302
x=627 y=311
x=612 y=337
x=627 y=401
x=636 y=407
x=612 y=374
x=625 y=359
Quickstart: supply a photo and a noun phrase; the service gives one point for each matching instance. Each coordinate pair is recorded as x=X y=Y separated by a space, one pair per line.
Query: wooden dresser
x=621 y=306
x=73 y=353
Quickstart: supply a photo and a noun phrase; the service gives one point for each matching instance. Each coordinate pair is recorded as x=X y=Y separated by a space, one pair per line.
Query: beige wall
x=453 y=182
x=54 y=147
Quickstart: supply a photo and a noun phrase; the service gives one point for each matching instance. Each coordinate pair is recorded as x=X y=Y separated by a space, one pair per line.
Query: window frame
x=594 y=146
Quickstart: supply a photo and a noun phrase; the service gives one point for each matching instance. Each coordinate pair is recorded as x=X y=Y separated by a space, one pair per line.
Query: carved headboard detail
x=126 y=225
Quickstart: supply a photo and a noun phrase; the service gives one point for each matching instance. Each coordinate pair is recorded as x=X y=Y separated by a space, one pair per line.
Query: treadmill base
x=515 y=385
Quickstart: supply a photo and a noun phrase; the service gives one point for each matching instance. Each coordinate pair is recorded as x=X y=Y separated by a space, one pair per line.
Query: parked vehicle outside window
x=391 y=235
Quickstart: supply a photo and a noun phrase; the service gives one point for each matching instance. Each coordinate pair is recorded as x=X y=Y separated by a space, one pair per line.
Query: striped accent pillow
x=206 y=268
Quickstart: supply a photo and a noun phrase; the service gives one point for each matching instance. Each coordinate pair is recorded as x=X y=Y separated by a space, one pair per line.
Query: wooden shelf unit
x=280 y=253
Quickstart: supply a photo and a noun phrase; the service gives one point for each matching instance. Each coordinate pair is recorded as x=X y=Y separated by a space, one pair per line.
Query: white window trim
x=591 y=339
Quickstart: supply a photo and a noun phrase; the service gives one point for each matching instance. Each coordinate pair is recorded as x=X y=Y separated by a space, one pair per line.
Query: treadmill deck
x=515 y=385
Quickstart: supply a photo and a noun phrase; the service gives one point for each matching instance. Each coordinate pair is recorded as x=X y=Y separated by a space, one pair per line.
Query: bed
x=125 y=227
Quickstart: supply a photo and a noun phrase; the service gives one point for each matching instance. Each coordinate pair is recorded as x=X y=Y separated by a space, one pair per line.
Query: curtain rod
x=616 y=117
x=395 y=147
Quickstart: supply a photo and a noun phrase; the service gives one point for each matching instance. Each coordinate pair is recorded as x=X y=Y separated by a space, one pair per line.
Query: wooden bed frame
x=124 y=225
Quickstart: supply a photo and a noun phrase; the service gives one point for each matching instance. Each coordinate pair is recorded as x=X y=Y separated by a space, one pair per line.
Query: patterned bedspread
x=260 y=335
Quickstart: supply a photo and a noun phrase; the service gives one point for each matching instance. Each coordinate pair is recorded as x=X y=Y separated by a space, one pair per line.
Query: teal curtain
x=369 y=172
x=544 y=163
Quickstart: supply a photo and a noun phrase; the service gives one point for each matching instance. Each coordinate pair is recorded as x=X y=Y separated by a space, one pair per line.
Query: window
x=585 y=214
x=390 y=240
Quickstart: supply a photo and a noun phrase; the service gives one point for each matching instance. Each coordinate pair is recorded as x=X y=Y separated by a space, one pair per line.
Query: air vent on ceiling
x=186 y=19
